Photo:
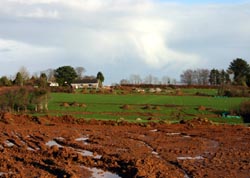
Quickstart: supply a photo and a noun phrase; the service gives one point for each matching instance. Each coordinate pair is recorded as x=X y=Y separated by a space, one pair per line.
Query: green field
x=145 y=107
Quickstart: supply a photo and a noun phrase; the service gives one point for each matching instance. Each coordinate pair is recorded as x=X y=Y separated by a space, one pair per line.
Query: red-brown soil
x=66 y=147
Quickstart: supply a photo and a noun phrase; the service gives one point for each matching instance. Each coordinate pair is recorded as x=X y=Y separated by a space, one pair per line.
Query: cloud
x=4 y=50
x=132 y=35
x=14 y=54
x=39 y=13
x=29 y=2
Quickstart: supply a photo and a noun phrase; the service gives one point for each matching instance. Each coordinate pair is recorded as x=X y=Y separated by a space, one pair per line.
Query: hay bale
x=138 y=119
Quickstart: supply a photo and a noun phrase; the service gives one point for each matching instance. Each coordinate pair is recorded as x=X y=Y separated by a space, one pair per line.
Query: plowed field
x=68 y=147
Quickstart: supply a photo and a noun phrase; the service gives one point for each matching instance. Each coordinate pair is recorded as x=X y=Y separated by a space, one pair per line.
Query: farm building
x=85 y=83
x=53 y=84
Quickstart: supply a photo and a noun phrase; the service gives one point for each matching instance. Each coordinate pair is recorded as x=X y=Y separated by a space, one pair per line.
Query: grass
x=171 y=108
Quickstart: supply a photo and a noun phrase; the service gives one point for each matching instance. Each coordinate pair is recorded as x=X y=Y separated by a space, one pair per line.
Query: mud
x=67 y=147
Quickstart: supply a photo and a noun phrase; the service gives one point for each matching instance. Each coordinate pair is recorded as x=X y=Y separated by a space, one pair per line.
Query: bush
x=24 y=99
x=231 y=91
x=244 y=111
x=61 y=89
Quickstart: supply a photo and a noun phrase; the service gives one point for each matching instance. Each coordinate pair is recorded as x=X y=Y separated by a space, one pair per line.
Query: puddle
x=190 y=158
x=174 y=133
x=53 y=143
x=151 y=149
x=60 y=138
x=9 y=144
x=30 y=149
x=88 y=153
x=82 y=139
x=80 y=151
x=155 y=130
x=98 y=173
x=156 y=154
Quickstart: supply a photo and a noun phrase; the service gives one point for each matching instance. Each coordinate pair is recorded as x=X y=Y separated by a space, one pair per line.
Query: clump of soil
x=152 y=119
x=158 y=108
x=202 y=108
x=75 y=104
x=178 y=92
x=6 y=118
x=66 y=105
x=147 y=107
x=83 y=105
x=126 y=107
x=197 y=121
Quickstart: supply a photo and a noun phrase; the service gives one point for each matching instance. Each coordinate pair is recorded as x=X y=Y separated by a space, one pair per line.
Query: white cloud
x=14 y=54
x=22 y=49
x=33 y=1
x=156 y=35
x=39 y=13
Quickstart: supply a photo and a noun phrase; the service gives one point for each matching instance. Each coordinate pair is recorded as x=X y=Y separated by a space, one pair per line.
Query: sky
x=123 y=37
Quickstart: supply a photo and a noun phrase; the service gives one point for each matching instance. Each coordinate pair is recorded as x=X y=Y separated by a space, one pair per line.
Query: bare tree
x=198 y=76
x=135 y=79
x=204 y=76
x=174 y=81
x=50 y=73
x=148 y=79
x=187 y=77
x=165 y=80
x=79 y=72
x=25 y=73
x=124 y=81
x=155 y=80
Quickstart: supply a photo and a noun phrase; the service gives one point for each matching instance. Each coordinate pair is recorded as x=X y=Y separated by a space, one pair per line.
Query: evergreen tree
x=241 y=71
x=100 y=78
x=19 y=79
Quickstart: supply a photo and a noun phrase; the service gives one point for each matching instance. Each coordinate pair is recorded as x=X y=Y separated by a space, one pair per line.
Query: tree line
x=63 y=75
x=150 y=79
x=238 y=73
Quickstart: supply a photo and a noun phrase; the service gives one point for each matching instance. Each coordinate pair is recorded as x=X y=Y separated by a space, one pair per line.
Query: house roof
x=86 y=81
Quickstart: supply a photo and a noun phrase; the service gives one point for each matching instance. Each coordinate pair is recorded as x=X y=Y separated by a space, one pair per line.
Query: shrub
x=232 y=91
x=23 y=99
x=61 y=89
x=244 y=111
